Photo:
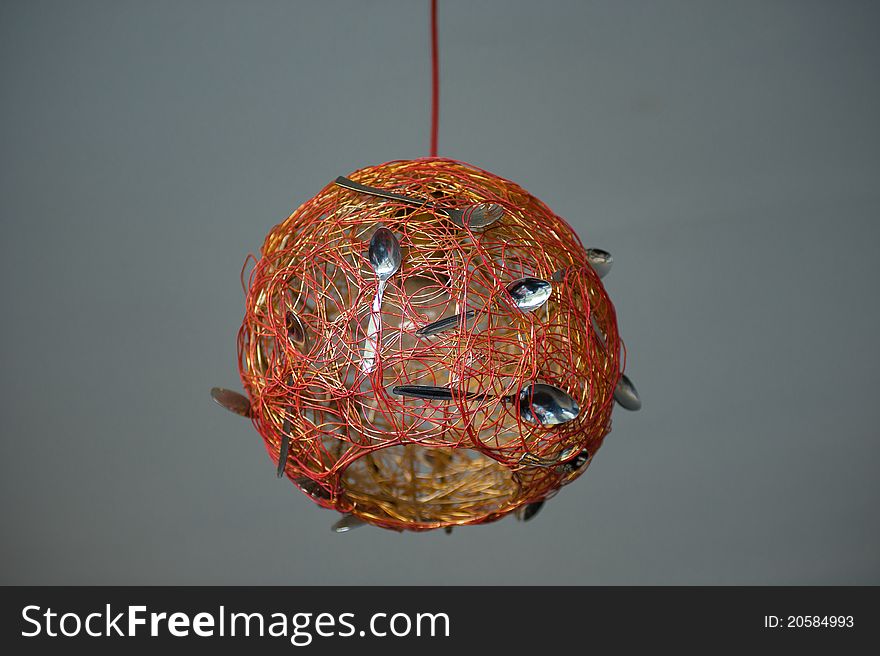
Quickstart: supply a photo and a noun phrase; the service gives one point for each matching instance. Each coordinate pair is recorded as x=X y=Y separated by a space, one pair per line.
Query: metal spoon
x=538 y=403
x=547 y=405
x=311 y=488
x=296 y=331
x=346 y=523
x=475 y=216
x=385 y=259
x=286 y=428
x=531 y=510
x=442 y=325
x=284 y=449
x=232 y=401
x=577 y=462
x=529 y=293
x=531 y=460
x=430 y=392
x=600 y=260
x=626 y=395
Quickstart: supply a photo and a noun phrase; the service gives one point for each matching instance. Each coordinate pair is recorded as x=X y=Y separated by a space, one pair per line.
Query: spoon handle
x=442 y=325
x=283 y=449
x=431 y=392
x=368 y=361
x=344 y=182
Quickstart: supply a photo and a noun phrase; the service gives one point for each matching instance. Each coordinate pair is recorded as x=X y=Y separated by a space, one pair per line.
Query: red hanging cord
x=435 y=80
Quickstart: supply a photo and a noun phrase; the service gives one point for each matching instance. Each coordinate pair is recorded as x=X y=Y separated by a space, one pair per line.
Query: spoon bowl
x=296 y=331
x=531 y=510
x=626 y=395
x=232 y=401
x=600 y=260
x=546 y=405
x=311 y=488
x=577 y=462
x=384 y=253
x=477 y=216
x=346 y=523
x=529 y=294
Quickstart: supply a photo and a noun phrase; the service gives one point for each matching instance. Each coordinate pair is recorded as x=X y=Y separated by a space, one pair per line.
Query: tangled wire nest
x=343 y=432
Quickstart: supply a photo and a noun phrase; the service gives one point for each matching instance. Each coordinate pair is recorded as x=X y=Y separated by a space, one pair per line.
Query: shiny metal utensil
x=475 y=217
x=232 y=401
x=538 y=403
x=284 y=448
x=531 y=460
x=577 y=462
x=600 y=260
x=531 y=510
x=430 y=392
x=296 y=331
x=346 y=523
x=311 y=488
x=385 y=258
x=529 y=293
x=626 y=395
x=546 y=405
x=442 y=325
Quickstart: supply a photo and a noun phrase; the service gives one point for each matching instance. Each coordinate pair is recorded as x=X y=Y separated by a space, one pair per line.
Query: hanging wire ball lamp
x=427 y=345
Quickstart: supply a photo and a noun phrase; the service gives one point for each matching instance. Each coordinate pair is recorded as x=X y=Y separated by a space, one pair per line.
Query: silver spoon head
x=529 y=293
x=481 y=215
x=311 y=488
x=346 y=523
x=232 y=401
x=296 y=331
x=546 y=405
x=384 y=253
x=626 y=395
x=600 y=260
x=531 y=510
x=577 y=462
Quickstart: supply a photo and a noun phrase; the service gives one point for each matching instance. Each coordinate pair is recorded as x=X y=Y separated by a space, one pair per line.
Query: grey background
x=725 y=153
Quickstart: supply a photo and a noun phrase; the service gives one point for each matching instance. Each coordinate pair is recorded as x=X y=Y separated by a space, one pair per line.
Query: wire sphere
x=399 y=462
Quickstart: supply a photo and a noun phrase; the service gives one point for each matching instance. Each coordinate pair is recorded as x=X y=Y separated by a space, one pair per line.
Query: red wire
x=435 y=80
